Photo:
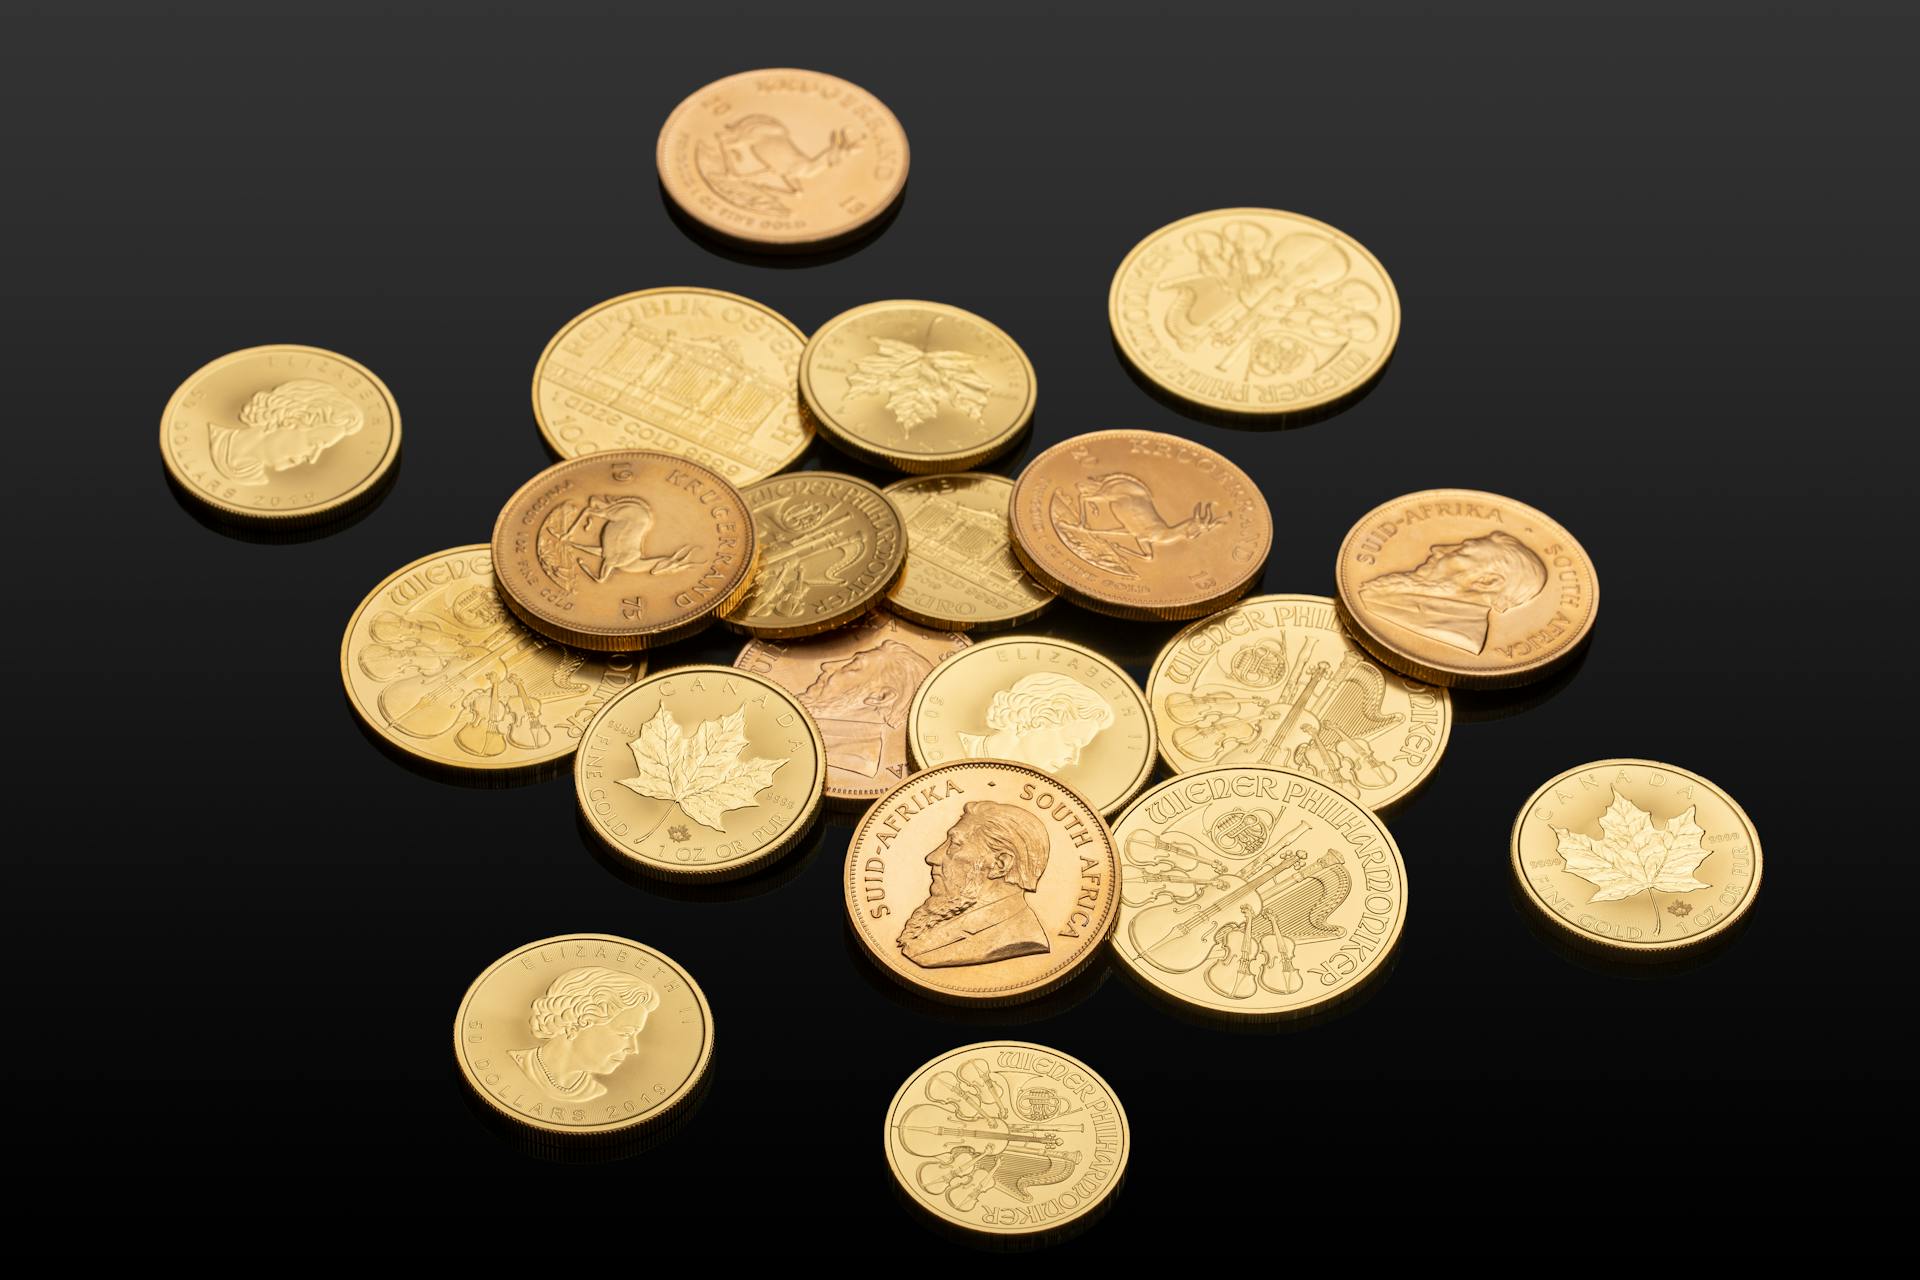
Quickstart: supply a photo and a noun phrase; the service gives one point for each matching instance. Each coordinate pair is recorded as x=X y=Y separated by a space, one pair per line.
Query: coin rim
x=911 y=614
x=854 y=611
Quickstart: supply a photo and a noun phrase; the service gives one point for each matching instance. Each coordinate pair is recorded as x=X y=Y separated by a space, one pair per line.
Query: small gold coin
x=1256 y=893
x=283 y=434
x=1276 y=682
x=920 y=386
x=1463 y=588
x=830 y=546
x=1639 y=859
x=622 y=551
x=1008 y=1138
x=1254 y=311
x=961 y=571
x=1058 y=706
x=435 y=665
x=585 y=1036
x=982 y=882
x=701 y=773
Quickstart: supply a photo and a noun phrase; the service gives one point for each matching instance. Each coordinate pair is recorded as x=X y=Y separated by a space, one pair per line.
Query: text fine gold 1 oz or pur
x=961 y=571
x=830 y=547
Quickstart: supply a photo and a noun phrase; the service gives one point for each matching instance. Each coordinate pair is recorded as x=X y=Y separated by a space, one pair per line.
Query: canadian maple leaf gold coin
x=830 y=547
x=961 y=571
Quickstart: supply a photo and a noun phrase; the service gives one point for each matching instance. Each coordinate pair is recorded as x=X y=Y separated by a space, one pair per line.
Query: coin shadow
x=1349 y=1003
x=585 y=1150
x=1068 y=995
x=779 y=255
x=1648 y=966
x=766 y=879
x=1247 y=421
x=1133 y=643
x=1478 y=706
x=988 y=1242
x=277 y=533
x=452 y=775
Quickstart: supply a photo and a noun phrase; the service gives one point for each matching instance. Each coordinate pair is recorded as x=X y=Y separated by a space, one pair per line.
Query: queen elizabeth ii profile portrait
x=286 y=427
x=1454 y=593
x=588 y=1023
x=1045 y=720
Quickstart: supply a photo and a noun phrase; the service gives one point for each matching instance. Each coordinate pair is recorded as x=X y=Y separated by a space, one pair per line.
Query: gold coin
x=1640 y=859
x=982 y=882
x=700 y=773
x=1008 y=1138
x=1140 y=524
x=961 y=571
x=622 y=551
x=282 y=433
x=783 y=159
x=1058 y=706
x=1276 y=682
x=857 y=683
x=696 y=373
x=585 y=1036
x=437 y=667
x=1256 y=893
x=1254 y=311
x=1464 y=588
x=920 y=386
x=830 y=546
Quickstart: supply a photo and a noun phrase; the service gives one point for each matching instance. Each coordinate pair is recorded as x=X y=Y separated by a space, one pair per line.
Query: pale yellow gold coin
x=830 y=547
x=961 y=571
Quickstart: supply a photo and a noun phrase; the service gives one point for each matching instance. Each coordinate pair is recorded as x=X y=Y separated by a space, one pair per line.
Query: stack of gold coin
x=830 y=548
x=961 y=571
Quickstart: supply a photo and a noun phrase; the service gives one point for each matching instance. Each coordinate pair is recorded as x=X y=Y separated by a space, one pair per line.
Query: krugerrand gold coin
x=830 y=546
x=1140 y=524
x=1254 y=311
x=1464 y=588
x=582 y=1037
x=437 y=667
x=920 y=386
x=1008 y=1139
x=701 y=773
x=961 y=571
x=283 y=434
x=696 y=373
x=1275 y=682
x=982 y=882
x=622 y=551
x=857 y=683
x=1256 y=893
x=1058 y=706
x=1638 y=859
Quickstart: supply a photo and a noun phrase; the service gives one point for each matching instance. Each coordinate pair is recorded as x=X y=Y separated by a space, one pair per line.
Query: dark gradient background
x=1658 y=274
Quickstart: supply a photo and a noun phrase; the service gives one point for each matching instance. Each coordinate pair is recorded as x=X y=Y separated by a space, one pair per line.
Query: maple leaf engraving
x=703 y=774
x=915 y=381
x=1634 y=856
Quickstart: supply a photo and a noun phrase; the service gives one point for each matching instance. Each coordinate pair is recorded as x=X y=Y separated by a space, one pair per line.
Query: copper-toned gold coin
x=696 y=373
x=982 y=882
x=1275 y=682
x=701 y=773
x=1058 y=706
x=622 y=551
x=783 y=159
x=1140 y=524
x=857 y=683
x=281 y=434
x=1464 y=588
x=920 y=386
x=830 y=546
x=1256 y=893
x=1254 y=311
x=961 y=571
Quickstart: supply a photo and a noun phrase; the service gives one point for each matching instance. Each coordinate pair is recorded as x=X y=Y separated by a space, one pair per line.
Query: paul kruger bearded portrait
x=976 y=907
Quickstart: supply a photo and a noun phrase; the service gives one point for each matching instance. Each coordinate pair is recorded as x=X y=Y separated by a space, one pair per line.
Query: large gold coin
x=982 y=882
x=1276 y=682
x=1256 y=893
x=622 y=551
x=857 y=683
x=437 y=667
x=1254 y=311
x=961 y=571
x=696 y=373
x=1640 y=859
x=1464 y=588
x=830 y=546
x=1058 y=706
x=783 y=159
x=281 y=434
x=1140 y=524
x=701 y=773
x=920 y=386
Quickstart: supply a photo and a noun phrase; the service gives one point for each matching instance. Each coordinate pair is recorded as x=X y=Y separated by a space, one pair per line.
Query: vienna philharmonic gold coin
x=697 y=373
x=584 y=1036
x=1638 y=859
x=982 y=882
x=1055 y=705
x=1140 y=524
x=783 y=159
x=830 y=547
x=622 y=551
x=1256 y=893
x=282 y=434
x=961 y=571
x=1275 y=682
x=920 y=386
x=1464 y=588
x=1254 y=311
x=701 y=773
